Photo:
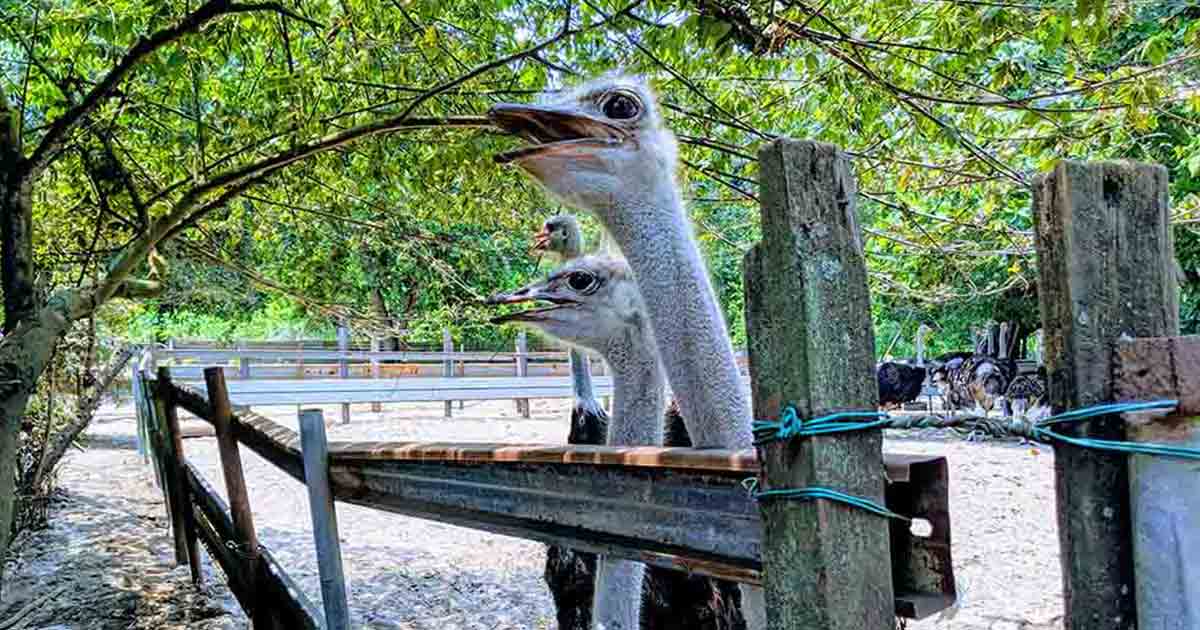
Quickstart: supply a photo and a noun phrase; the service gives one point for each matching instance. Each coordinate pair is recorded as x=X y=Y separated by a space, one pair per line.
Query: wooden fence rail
x=657 y=505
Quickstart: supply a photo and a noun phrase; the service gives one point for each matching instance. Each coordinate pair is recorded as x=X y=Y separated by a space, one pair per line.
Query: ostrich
x=670 y=599
x=570 y=574
x=595 y=304
x=604 y=148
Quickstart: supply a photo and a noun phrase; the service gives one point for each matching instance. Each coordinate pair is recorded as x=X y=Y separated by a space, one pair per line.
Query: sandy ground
x=106 y=561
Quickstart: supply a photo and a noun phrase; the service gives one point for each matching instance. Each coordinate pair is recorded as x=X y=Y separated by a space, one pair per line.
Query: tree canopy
x=950 y=108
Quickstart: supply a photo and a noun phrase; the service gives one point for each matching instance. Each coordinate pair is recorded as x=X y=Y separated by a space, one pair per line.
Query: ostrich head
x=602 y=141
x=561 y=235
x=592 y=301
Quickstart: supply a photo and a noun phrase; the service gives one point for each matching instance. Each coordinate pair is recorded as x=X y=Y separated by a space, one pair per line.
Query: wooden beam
x=235 y=486
x=1106 y=270
x=183 y=525
x=448 y=366
x=343 y=339
x=278 y=594
x=522 y=370
x=324 y=516
x=376 y=372
x=812 y=345
x=656 y=505
x=1164 y=492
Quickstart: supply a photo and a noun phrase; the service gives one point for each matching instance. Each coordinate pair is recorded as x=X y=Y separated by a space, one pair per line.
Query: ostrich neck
x=638 y=397
x=581 y=375
x=653 y=233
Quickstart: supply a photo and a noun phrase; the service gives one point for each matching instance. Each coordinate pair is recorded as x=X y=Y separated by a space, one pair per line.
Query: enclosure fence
x=1109 y=305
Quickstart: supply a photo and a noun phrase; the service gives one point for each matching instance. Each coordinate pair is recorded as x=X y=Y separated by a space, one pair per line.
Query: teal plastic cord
x=813 y=493
x=790 y=425
x=1043 y=433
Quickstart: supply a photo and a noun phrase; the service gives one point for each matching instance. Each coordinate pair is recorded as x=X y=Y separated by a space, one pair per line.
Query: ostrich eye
x=621 y=106
x=581 y=281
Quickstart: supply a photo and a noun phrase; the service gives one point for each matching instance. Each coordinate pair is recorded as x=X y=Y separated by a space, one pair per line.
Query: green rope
x=812 y=493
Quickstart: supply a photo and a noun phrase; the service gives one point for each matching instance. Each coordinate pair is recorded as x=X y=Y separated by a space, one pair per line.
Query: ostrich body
x=595 y=304
x=571 y=574
x=671 y=600
x=899 y=383
x=974 y=381
x=604 y=148
x=1026 y=392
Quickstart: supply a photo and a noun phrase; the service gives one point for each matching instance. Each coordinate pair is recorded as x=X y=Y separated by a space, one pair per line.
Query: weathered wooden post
x=1104 y=258
x=324 y=517
x=243 y=362
x=299 y=362
x=522 y=370
x=375 y=369
x=461 y=370
x=235 y=485
x=812 y=345
x=183 y=526
x=1164 y=492
x=448 y=364
x=343 y=340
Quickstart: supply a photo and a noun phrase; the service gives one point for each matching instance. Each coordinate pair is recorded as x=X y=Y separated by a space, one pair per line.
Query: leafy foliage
x=949 y=107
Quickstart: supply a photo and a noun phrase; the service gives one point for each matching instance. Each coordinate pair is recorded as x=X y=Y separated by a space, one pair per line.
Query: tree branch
x=104 y=89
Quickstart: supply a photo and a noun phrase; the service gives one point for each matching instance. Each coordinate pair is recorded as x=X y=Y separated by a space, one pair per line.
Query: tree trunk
x=17 y=211
x=24 y=354
x=379 y=311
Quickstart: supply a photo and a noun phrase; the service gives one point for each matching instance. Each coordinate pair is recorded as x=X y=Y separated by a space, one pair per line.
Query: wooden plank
x=235 y=487
x=812 y=345
x=376 y=373
x=243 y=363
x=310 y=356
x=343 y=335
x=1164 y=492
x=448 y=366
x=183 y=526
x=278 y=594
x=324 y=516
x=522 y=370
x=1106 y=270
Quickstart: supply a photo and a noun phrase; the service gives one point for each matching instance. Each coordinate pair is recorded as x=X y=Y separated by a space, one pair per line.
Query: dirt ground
x=106 y=561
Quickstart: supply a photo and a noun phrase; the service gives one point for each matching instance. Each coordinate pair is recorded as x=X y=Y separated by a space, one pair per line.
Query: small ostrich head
x=560 y=235
x=601 y=142
x=592 y=301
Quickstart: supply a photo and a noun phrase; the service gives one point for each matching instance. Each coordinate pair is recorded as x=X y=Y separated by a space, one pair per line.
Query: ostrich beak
x=532 y=293
x=552 y=130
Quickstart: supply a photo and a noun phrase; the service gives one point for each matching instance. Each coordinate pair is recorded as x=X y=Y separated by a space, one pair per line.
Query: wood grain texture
x=235 y=485
x=811 y=344
x=1164 y=492
x=324 y=517
x=1106 y=268
x=183 y=526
